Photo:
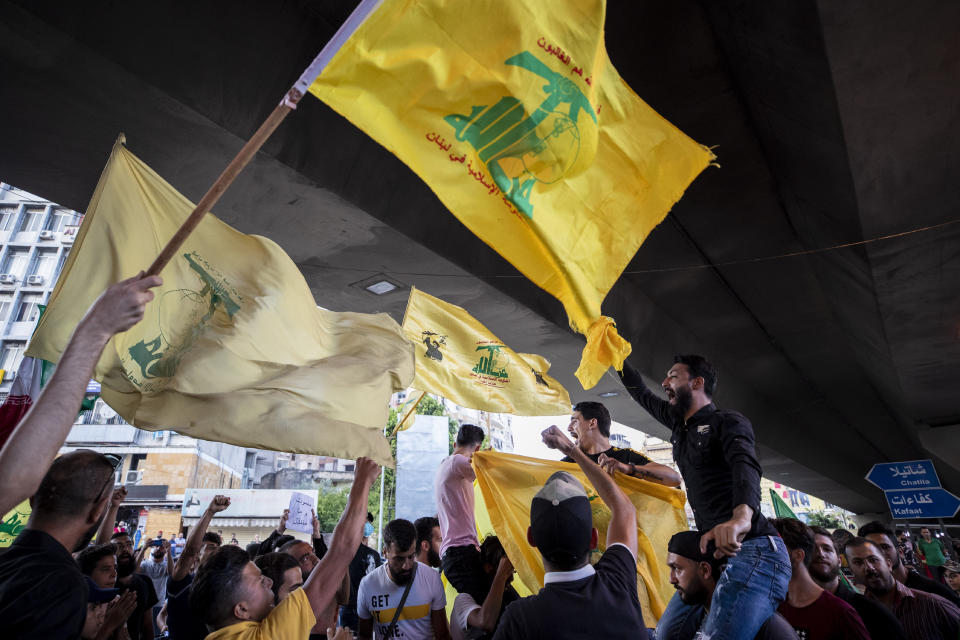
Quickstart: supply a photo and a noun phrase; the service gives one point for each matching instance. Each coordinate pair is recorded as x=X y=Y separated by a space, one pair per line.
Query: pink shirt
x=454 y=490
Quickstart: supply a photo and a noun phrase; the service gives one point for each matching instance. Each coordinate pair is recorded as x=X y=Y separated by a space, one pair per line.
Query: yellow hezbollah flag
x=506 y=485
x=14 y=522
x=233 y=348
x=513 y=114
x=459 y=358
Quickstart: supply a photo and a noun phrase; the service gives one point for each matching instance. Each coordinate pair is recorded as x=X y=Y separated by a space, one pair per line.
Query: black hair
x=860 y=541
x=700 y=367
x=274 y=565
x=210 y=536
x=218 y=586
x=595 y=411
x=72 y=483
x=876 y=526
x=253 y=549
x=796 y=535
x=820 y=531
x=491 y=551
x=401 y=533
x=290 y=544
x=89 y=557
x=369 y=517
x=424 y=528
x=469 y=434
x=119 y=534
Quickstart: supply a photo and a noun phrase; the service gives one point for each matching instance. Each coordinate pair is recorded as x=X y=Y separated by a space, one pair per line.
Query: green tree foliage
x=825 y=520
x=330 y=506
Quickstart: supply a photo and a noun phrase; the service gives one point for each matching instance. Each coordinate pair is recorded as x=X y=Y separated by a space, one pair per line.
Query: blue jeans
x=748 y=592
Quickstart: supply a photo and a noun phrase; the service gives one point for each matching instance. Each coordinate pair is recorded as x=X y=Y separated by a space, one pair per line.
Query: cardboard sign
x=301 y=512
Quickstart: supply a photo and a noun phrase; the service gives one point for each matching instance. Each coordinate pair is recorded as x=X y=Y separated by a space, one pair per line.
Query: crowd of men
x=737 y=576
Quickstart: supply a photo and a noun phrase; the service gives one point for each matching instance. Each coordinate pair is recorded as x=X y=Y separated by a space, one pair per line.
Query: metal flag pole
x=288 y=104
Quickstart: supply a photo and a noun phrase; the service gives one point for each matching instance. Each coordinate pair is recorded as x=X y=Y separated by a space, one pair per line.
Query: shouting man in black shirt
x=590 y=429
x=716 y=455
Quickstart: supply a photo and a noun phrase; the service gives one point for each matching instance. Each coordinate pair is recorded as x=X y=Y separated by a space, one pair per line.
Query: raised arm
x=191 y=550
x=325 y=579
x=34 y=443
x=655 y=406
x=623 y=515
x=110 y=516
x=486 y=616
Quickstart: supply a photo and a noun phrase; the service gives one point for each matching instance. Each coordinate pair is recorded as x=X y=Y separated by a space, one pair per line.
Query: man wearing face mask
x=423 y=615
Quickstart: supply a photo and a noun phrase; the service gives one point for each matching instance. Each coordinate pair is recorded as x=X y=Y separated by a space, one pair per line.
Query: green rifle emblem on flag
x=160 y=357
x=493 y=363
x=520 y=150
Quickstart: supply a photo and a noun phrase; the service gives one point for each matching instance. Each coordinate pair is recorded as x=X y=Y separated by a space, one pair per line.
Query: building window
x=29 y=309
x=32 y=219
x=10 y=360
x=6 y=304
x=45 y=263
x=62 y=218
x=16 y=262
x=7 y=215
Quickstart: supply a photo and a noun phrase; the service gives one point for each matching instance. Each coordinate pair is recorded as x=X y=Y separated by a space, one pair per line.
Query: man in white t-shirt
x=470 y=620
x=423 y=614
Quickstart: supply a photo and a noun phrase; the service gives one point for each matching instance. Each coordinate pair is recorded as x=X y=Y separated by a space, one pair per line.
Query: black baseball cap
x=561 y=520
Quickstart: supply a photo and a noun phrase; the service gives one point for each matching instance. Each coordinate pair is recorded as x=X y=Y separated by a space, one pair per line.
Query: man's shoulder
x=627 y=455
x=836 y=603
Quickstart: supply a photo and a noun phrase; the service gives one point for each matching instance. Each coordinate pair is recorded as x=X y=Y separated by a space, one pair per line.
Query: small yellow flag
x=233 y=348
x=506 y=485
x=513 y=114
x=459 y=358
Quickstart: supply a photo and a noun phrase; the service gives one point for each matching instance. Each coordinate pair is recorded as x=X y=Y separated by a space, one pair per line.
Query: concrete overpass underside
x=834 y=123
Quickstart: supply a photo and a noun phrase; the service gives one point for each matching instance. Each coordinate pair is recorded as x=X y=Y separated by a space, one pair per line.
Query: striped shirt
x=925 y=616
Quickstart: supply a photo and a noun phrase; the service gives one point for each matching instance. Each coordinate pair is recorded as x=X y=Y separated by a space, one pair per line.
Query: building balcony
x=101 y=434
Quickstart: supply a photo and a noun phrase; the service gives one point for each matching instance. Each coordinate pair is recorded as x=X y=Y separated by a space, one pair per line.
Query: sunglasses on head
x=115 y=462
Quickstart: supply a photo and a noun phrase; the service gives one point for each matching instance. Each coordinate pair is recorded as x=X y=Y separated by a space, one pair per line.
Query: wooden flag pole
x=225 y=180
x=288 y=104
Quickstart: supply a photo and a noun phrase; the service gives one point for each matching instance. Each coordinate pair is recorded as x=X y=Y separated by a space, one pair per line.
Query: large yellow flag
x=233 y=348
x=460 y=359
x=506 y=485
x=513 y=114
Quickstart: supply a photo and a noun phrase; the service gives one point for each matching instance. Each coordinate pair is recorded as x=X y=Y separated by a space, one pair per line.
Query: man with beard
x=813 y=613
x=378 y=598
x=924 y=616
x=884 y=540
x=428 y=541
x=825 y=571
x=715 y=452
x=590 y=429
x=694 y=575
x=140 y=623
x=43 y=594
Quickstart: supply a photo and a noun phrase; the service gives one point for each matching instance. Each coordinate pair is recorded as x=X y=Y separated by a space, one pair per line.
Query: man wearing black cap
x=716 y=454
x=694 y=575
x=579 y=600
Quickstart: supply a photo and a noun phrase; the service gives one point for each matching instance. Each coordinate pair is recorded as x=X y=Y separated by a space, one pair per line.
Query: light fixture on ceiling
x=379 y=284
x=380 y=287
x=609 y=394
